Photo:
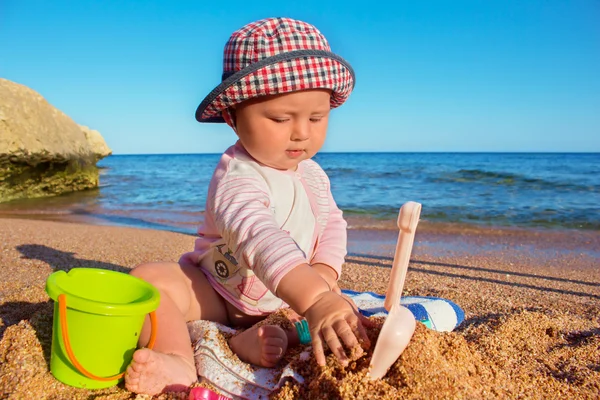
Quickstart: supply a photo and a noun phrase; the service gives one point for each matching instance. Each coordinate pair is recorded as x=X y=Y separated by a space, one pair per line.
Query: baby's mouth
x=294 y=153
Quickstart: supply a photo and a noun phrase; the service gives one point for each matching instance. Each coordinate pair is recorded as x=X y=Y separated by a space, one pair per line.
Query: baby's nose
x=300 y=131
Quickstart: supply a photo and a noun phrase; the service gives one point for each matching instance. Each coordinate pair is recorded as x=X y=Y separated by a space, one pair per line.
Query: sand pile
x=528 y=353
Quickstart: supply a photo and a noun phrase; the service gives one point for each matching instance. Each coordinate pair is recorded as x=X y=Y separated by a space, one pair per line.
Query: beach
x=489 y=121
x=531 y=300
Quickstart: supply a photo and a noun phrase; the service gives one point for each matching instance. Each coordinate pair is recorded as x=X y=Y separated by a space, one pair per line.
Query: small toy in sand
x=200 y=393
x=400 y=323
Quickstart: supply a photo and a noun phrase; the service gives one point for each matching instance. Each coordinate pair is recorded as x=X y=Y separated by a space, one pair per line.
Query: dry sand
x=531 y=298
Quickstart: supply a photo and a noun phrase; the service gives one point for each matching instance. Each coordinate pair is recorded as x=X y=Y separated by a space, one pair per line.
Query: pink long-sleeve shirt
x=262 y=222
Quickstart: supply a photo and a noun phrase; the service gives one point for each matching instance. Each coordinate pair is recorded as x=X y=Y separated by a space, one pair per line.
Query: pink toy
x=400 y=323
x=201 y=393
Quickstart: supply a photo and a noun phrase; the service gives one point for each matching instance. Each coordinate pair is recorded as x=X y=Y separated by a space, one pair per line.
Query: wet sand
x=531 y=300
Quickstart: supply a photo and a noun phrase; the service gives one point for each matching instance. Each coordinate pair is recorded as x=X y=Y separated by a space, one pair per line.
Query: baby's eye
x=316 y=119
x=280 y=120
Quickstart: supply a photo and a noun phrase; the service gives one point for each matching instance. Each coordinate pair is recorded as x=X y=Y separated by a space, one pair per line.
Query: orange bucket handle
x=62 y=312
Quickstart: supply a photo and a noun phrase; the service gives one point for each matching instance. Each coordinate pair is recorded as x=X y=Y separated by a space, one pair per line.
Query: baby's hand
x=364 y=320
x=331 y=318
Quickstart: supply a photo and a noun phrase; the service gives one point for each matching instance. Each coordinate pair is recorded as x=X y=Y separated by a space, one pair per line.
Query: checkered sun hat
x=274 y=56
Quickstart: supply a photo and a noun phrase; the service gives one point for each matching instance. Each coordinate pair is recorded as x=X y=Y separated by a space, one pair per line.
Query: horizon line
x=381 y=152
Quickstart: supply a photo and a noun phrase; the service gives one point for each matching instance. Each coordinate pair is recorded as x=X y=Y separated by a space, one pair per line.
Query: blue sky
x=431 y=76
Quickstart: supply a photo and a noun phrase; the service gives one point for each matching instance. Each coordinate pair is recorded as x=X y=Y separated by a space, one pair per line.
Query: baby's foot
x=151 y=372
x=263 y=346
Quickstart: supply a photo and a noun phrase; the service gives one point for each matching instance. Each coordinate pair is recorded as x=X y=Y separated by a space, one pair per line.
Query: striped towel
x=436 y=313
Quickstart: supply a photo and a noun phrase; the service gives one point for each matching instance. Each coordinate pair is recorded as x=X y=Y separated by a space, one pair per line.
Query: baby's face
x=282 y=130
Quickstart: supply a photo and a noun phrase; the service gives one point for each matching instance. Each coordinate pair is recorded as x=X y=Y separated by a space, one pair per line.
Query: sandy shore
x=531 y=299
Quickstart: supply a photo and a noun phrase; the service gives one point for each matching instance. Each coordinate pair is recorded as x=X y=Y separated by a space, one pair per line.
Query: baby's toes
x=272 y=354
x=277 y=341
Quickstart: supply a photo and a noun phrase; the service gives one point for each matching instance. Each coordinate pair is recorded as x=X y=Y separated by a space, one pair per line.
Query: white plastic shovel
x=400 y=323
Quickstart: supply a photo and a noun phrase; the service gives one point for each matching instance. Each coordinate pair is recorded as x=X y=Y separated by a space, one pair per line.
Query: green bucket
x=98 y=318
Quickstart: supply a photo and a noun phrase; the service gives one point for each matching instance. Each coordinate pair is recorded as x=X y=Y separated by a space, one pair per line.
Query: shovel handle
x=408 y=219
x=62 y=312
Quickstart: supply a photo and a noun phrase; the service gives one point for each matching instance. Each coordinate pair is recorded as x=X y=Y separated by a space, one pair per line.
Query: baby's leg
x=265 y=343
x=185 y=295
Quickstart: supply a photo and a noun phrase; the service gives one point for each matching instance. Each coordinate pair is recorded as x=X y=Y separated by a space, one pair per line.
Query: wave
x=337 y=173
x=508 y=179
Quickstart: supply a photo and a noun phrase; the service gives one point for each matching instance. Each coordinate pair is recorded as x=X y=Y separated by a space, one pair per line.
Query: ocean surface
x=550 y=191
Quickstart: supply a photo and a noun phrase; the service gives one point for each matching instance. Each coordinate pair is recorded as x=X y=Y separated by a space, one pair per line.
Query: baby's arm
x=329 y=274
x=331 y=247
x=239 y=204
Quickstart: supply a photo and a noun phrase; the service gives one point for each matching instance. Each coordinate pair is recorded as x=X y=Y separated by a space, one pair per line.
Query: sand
x=531 y=298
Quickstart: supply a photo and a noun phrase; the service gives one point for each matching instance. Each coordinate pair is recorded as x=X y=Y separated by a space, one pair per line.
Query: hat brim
x=231 y=79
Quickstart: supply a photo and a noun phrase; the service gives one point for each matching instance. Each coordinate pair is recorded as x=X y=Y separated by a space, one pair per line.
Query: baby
x=273 y=236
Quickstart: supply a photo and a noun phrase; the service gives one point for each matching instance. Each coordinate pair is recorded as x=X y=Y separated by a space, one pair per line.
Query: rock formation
x=43 y=152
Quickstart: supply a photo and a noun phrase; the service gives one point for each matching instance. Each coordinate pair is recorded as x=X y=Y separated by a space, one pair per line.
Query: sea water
x=541 y=190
